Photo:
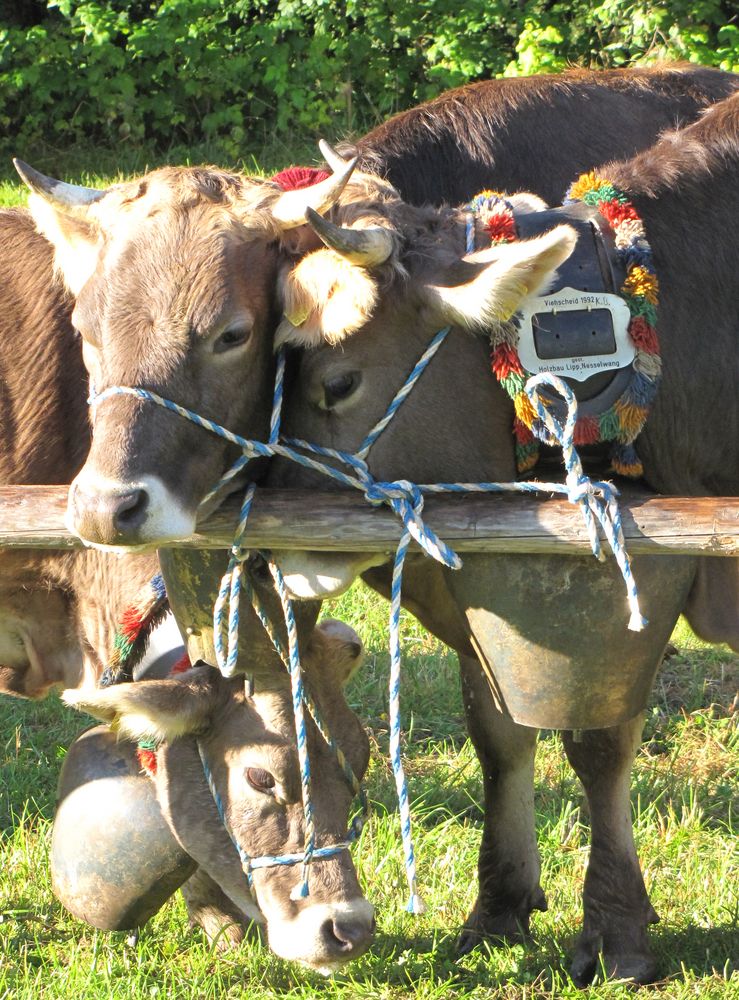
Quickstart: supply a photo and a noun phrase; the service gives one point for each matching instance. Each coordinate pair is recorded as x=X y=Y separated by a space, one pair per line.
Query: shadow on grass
x=700 y=950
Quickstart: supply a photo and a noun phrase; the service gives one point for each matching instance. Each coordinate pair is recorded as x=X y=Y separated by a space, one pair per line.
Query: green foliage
x=168 y=72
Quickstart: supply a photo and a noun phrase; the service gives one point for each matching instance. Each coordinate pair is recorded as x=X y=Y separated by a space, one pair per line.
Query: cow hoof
x=496 y=928
x=637 y=967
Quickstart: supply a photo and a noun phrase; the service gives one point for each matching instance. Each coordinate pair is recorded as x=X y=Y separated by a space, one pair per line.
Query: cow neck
x=612 y=255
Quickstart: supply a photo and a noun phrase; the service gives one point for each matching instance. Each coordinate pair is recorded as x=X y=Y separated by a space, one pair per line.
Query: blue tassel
x=416 y=905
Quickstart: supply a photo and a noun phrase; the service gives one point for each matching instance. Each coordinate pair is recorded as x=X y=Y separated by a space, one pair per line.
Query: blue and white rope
x=353 y=781
x=402 y=393
x=250 y=864
x=227 y=602
x=596 y=501
x=296 y=683
x=415 y=903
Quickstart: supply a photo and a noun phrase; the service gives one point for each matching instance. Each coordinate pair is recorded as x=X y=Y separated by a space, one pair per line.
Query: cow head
x=174 y=277
x=249 y=744
x=456 y=423
x=59 y=616
x=38 y=645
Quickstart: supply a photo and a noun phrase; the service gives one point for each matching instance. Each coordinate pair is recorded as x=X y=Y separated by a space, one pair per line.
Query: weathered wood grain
x=33 y=517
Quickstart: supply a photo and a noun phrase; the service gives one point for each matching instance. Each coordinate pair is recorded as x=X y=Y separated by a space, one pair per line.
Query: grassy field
x=685 y=799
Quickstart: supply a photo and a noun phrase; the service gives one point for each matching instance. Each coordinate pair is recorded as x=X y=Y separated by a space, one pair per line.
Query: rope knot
x=378 y=493
x=580 y=487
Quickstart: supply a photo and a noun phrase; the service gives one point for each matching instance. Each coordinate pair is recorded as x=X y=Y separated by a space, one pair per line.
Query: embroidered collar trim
x=622 y=422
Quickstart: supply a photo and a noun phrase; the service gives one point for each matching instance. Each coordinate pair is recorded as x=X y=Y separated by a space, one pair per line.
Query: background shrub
x=229 y=74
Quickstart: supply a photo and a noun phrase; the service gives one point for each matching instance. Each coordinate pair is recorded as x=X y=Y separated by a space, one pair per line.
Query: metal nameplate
x=601 y=321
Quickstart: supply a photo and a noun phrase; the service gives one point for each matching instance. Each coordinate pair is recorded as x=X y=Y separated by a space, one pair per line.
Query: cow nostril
x=346 y=936
x=130 y=509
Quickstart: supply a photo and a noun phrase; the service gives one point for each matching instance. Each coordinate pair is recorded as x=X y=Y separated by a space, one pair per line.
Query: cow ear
x=508 y=275
x=334 y=649
x=75 y=238
x=159 y=710
x=325 y=298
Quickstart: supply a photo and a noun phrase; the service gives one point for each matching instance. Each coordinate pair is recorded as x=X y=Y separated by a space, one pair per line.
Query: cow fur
x=58 y=610
x=471 y=138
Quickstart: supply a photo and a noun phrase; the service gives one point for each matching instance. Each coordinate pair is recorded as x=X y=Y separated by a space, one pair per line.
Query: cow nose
x=129 y=510
x=108 y=517
x=348 y=936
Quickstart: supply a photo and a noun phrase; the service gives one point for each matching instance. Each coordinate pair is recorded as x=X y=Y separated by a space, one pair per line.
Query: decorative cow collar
x=619 y=405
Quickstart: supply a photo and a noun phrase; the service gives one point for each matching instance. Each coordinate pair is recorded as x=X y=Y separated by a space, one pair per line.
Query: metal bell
x=114 y=860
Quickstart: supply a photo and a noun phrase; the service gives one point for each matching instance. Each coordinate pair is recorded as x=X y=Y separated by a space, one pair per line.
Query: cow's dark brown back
x=471 y=138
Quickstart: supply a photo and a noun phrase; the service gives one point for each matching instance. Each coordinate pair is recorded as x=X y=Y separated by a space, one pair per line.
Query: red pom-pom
x=644 y=335
x=501 y=228
x=181 y=666
x=615 y=211
x=147 y=760
x=587 y=431
x=294 y=178
x=504 y=361
x=522 y=433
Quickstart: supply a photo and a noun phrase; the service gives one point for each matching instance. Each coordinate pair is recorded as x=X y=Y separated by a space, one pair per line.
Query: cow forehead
x=176 y=269
x=176 y=275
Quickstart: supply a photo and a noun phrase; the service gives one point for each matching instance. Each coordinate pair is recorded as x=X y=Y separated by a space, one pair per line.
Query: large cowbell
x=114 y=860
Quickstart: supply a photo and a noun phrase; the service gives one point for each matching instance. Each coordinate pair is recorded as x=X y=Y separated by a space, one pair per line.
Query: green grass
x=685 y=801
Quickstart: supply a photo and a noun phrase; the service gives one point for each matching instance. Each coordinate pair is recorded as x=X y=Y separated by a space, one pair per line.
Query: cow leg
x=210 y=908
x=508 y=865
x=615 y=902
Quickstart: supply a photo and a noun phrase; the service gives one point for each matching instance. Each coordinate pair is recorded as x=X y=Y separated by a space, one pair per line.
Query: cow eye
x=230 y=339
x=339 y=387
x=259 y=779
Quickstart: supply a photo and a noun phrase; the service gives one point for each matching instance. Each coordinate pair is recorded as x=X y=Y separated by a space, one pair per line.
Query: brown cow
x=197 y=338
x=455 y=426
x=249 y=743
x=469 y=138
x=58 y=610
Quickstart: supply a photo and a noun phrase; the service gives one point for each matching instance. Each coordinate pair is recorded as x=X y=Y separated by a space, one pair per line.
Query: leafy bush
x=167 y=72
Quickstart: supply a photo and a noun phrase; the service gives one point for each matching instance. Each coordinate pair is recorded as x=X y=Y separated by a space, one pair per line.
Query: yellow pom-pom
x=639 y=281
x=586 y=182
x=524 y=410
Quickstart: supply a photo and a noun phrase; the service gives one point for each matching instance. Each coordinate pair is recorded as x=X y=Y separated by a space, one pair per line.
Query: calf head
x=59 y=614
x=38 y=644
x=249 y=744
x=456 y=423
x=174 y=277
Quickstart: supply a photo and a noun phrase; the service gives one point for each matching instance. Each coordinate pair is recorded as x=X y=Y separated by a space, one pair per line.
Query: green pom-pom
x=609 y=425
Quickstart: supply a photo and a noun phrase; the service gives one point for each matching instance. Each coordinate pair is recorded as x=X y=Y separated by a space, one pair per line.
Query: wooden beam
x=33 y=517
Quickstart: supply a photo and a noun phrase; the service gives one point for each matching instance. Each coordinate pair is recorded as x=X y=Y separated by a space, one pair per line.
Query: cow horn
x=335 y=160
x=66 y=196
x=366 y=247
x=289 y=209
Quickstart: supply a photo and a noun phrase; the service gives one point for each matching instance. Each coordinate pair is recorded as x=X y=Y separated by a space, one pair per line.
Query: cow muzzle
x=112 y=514
x=324 y=936
x=310 y=575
